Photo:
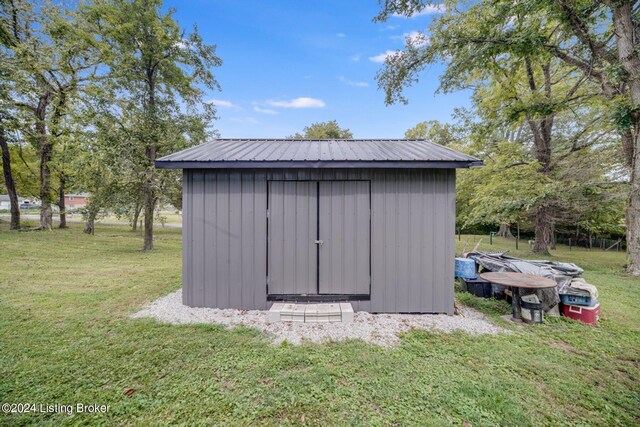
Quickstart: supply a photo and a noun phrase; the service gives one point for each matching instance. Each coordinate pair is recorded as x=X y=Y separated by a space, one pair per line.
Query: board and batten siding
x=412 y=237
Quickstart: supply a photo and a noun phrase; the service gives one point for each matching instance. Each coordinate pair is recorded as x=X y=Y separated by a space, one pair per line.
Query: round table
x=517 y=281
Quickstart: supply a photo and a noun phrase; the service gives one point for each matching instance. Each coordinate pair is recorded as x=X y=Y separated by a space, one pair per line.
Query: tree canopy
x=323 y=130
x=563 y=70
x=94 y=93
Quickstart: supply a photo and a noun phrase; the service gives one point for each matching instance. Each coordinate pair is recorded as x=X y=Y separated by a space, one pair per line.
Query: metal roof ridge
x=318 y=152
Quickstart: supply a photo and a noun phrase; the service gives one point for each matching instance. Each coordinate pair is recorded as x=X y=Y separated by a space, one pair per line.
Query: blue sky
x=288 y=64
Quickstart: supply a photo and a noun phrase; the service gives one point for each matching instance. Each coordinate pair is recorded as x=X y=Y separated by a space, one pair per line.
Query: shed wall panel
x=198 y=246
x=344 y=230
x=247 y=276
x=292 y=266
x=187 y=240
x=412 y=232
x=206 y=253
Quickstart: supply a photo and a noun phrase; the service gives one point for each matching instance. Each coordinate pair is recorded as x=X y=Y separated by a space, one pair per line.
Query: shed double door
x=319 y=238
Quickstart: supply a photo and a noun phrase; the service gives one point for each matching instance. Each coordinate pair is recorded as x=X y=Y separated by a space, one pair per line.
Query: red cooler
x=588 y=315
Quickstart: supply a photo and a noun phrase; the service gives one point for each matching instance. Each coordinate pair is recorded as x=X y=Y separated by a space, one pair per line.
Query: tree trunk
x=633 y=212
x=46 y=214
x=543 y=229
x=149 y=199
x=61 y=204
x=8 y=180
x=626 y=31
x=136 y=216
x=92 y=213
x=149 y=208
x=542 y=140
x=504 y=231
x=150 y=152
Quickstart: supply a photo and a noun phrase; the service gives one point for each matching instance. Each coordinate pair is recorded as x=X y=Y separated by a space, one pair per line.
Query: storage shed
x=371 y=222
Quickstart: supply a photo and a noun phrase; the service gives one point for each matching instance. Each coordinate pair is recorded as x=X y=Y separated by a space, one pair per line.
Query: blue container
x=466 y=268
x=586 y=301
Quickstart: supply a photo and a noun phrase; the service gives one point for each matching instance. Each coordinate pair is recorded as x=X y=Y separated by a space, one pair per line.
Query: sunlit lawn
x=65 y=337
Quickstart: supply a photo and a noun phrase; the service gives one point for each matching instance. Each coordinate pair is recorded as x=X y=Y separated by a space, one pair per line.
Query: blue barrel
x=465 y=268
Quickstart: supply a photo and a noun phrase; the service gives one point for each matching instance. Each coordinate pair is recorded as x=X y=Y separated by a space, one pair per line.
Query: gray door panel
x=292 y=253
x=345 y=234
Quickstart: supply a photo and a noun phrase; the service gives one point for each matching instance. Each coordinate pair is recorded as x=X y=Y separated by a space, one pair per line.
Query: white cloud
x=355 y=57
x=413 y=37
x=244 y=120
x=430 y=9
x=264 y=110
x=416 y=38
x=341 y=35
x=389 y=28
x=224 y=104
x=383 y=56
x=182 y=44
x=352 y=83
x=303 y=102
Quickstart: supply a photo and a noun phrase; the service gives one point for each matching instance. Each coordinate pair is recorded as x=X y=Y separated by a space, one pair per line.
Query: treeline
x=586 y=189
x=91 y=94
x=556 y=110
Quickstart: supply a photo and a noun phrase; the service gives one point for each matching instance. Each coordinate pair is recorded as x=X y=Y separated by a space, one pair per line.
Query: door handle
x=319 y=242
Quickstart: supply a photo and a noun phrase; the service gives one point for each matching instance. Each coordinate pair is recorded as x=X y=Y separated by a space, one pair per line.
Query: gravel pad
x=380 y=329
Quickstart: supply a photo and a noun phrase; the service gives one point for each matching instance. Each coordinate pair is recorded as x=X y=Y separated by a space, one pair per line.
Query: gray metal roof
x=329 y=153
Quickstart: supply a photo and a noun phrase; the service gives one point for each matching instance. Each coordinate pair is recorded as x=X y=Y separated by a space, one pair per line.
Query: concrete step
x=311 y=313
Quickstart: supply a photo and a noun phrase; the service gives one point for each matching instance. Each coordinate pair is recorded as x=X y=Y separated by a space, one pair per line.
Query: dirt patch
x=562 y=346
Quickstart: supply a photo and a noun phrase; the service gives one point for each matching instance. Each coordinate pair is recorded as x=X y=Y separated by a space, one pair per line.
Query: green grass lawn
x=66 y=338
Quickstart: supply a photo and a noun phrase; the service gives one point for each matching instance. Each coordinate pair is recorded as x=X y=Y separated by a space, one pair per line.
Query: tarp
x=562 y=272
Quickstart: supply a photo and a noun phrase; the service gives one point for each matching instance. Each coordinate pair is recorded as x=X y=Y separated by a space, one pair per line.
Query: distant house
x=5 y=202
x=75 y=201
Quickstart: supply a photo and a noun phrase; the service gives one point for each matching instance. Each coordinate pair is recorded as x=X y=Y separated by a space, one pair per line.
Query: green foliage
x=108 y=86
x=323 y=130
x=432 y=130
x=47 y=65
x=24 y=164
x=148 y=103
x=623 y=112
x=537 y=121
x=585 y=185
x=5 y=33
x=505 y=190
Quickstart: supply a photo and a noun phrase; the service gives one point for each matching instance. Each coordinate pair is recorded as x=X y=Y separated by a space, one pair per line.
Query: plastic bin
x=578 y=300
x=588 y=315
x=465 y=268
x=478 y=287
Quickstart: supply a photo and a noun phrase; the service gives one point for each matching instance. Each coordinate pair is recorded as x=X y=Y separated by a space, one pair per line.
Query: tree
x=155 y=80
x=513 y=85
x=323 y=130
x=432 y=130
x=509 y=187
x=8 y=179
x=50 y=59
x=597 y=38
x=6 y=40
